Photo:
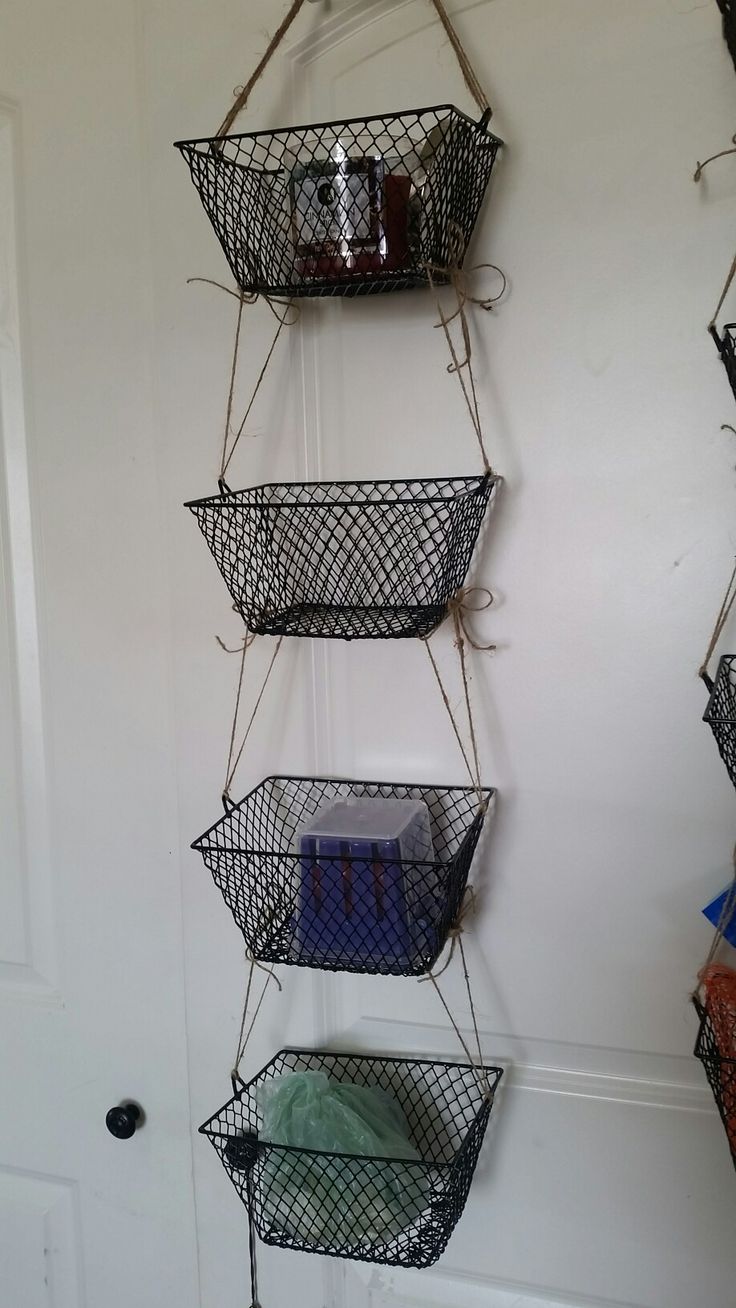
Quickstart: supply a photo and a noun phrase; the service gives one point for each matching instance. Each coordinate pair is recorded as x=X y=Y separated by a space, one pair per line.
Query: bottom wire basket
x=720 y=713
x=383 y=1210
x=719 y=1069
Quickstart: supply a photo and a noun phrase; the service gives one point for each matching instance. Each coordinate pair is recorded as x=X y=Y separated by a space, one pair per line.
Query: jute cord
x=720 y=155
x=723 y=615
x=232 y=764
x=461 y=364
x=724 y=293
x=477 y=1066
x=287 y=314
x=243 y=93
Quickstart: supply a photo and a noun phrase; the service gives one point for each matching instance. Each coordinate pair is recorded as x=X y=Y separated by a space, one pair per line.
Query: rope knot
x=459 y=606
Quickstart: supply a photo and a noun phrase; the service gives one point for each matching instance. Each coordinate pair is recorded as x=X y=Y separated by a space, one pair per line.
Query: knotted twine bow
x=454 y=273
x=459 y=607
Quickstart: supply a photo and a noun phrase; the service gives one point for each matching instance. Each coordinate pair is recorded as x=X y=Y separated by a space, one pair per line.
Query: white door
x=606 y=1179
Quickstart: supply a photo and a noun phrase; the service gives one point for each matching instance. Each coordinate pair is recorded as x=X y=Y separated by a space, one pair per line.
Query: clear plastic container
x=367 y=876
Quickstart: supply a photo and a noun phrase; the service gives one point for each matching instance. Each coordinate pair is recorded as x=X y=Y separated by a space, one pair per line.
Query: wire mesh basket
x=345 y=208
x=358 y=911
x=345 y=559
x=720 y=713
x=728 y=12
x=714 y=1042
x=383 y=1210
x=726 y=342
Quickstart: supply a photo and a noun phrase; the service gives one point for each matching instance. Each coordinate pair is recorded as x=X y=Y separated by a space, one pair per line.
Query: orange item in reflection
x=719 y=985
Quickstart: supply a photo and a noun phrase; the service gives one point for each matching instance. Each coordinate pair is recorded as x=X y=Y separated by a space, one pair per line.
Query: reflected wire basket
x=728 y=12
x=345 y=559
x=344 y=208
x=726 y=342
x=720 y=713
x=383 y=1210
x=720 y=1070
x=375 y=913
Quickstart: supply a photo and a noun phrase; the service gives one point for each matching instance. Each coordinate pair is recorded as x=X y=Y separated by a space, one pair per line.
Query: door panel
x=91 y=993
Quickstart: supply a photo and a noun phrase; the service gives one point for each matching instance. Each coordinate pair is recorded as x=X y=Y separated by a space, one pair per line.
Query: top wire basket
x=345 y=208
x=720 y=713
x=728 y=11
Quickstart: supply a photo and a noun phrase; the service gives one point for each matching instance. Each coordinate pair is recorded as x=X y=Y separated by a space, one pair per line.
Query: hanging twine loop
x=720 y=155
x=242 y=93
x=461 y=362
x=724 y=613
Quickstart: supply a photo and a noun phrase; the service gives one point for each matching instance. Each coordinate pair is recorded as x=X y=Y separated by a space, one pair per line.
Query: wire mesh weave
x=344 y=208
x=345 y=559
x=719 y=1069
x=348 y=914
x=447 y=1114
x=720 y=713
x=728 y=12
x=726 y=343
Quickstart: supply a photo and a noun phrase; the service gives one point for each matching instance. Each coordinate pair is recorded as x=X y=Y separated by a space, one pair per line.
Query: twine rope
x=463 y=365
x=232 y=765
x=287 y=314
x=477 y=1066
x=243 y=1035
x=720 y=155
x=723 y=615
x=466 y=910
x=243 y=93
x=724 y=293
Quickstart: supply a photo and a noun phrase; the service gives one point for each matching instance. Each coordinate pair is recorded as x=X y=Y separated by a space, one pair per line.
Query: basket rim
x=200 y=845
x=491 y=479
x=342 y=122
x=725 y=659
x=493 y=1075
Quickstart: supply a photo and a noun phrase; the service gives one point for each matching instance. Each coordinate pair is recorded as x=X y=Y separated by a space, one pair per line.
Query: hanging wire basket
x=719 y=1069
x=720 y=713
x=345 y=559
x=728 y=13
x=336 y=1203
x=726 y=342
x=345 y=208
x=368 y=911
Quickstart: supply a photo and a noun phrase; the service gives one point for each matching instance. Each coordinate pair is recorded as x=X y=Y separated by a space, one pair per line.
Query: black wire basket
x=345 y=559
x=726 y=342
x=365 y=909
x=728 y=12
x=720 y=713
x=383 y=1210
x=345 y=208
x=720 y=1071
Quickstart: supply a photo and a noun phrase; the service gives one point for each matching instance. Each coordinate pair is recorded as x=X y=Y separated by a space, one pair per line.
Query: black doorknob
x=122 y=1121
